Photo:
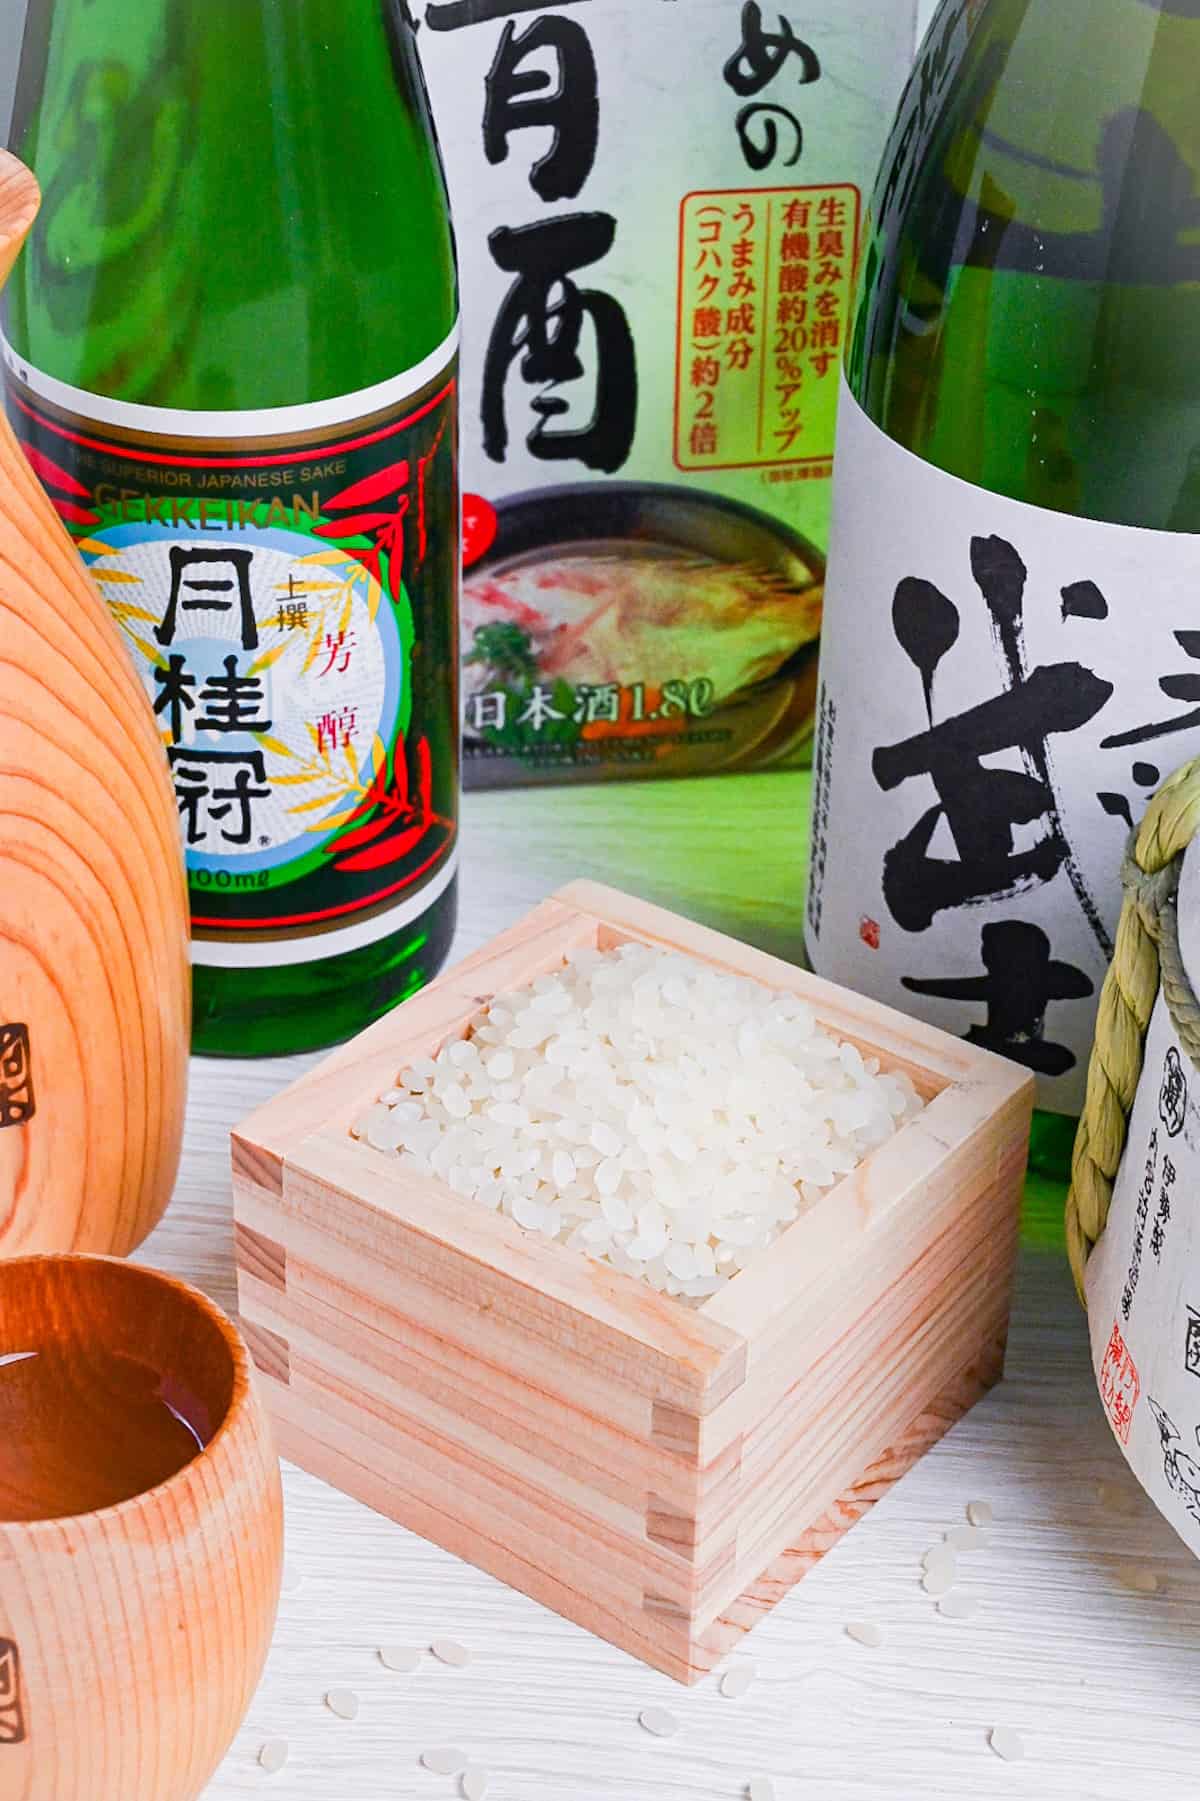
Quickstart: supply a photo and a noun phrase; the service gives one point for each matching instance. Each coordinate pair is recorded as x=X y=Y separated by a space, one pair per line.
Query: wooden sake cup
x=133 y=1638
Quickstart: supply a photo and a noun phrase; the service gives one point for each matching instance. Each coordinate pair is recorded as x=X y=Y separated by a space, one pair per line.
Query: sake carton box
x=658 y=206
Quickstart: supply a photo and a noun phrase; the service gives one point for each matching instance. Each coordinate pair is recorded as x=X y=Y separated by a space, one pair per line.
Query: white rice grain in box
x=658 y=210
x=729 y=1108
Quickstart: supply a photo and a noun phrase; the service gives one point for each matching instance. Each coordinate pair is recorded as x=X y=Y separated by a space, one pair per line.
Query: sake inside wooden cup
x=141 y=1533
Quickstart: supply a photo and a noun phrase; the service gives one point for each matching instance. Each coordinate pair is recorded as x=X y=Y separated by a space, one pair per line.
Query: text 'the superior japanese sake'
x=1012 y=658
x=230 y=355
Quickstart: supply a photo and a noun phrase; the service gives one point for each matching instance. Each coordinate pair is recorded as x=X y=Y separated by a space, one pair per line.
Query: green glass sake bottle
x=230 y=354
x=1016 y=533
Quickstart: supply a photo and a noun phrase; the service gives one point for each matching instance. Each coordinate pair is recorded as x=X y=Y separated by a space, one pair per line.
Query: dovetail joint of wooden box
x=271 y=1354
x=665 y=1525
x=260 y=1256
x=666 y=1607
x=673 y=1429
x=254 y=1163
x=717 y=1495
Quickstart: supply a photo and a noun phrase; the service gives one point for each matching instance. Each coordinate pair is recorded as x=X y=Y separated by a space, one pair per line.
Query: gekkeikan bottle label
x=1002 y=687
x=286 y=585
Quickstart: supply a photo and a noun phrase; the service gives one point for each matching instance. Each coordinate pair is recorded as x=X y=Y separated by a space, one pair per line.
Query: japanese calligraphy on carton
x=1143 y=1278
x=658 y=206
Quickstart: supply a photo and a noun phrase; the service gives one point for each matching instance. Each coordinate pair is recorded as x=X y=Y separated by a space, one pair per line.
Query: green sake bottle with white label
x=1017 y=510
x=230 y=355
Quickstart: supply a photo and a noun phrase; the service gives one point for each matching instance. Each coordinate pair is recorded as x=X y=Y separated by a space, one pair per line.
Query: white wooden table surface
x=1103 y=1684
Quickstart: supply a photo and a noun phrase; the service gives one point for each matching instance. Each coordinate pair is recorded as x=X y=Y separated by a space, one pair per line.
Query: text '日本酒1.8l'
x=230 y=355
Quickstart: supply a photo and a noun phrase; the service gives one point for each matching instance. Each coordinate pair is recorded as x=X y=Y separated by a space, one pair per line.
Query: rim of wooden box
x=308 y=1128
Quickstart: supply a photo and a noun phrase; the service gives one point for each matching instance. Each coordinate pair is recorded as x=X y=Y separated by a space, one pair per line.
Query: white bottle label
x=1002 y=687
x=1142 y=1288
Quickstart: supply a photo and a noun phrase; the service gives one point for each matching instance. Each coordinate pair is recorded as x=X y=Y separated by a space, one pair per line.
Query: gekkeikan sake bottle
x=1012 y=652
x=231 y=359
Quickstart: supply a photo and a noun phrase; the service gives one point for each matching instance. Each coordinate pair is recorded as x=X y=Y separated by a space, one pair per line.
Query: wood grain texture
x=135 y=1636
x=638 y=1465
x=94 y=977
x=1102 y=1684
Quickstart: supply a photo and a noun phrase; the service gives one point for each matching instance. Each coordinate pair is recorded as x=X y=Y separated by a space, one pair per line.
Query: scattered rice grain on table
x=863 y=1632
x=940 y=1560
x=659 y=1721
x=343 y=1702
x=474 y=1783
x=662 y=1115
x=736 y=1682
x=958 y=1607
x=761 y=1789
x=445 y=1760
x=938 y=1582
x=449 y=1651
x=968 y=1538
x=1006 y=1744
x=403 y=1659
x=979 y=1513
x=274 y=1755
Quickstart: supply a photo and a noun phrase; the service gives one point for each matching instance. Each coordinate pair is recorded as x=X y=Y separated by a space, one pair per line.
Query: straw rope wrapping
x=1147 y=951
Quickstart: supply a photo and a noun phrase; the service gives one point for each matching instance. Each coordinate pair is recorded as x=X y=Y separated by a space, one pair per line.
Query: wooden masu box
x=660 y=1475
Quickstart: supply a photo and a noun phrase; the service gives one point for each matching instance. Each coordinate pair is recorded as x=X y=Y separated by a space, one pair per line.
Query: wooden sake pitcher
x=94 y=980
